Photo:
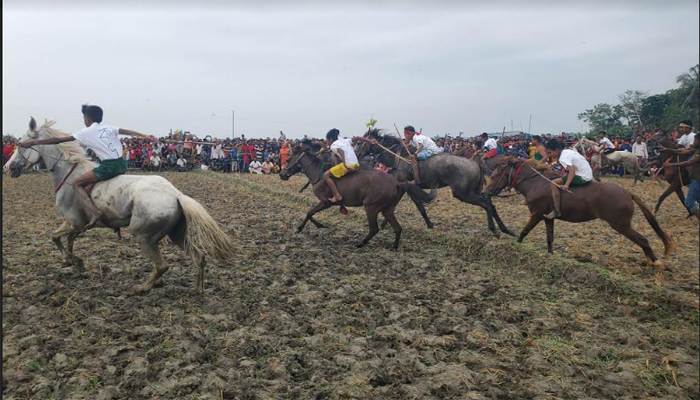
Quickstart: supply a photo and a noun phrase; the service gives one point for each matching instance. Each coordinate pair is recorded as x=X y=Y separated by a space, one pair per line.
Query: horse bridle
x=19 y=152
x=303 y=171
x=513 y=182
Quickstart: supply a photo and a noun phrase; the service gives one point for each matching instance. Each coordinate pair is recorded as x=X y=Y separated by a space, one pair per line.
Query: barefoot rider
x=348 y=162
x=578 y=172
x=103 y=140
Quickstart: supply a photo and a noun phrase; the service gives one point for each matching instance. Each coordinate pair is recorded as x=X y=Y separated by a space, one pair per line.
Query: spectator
x=181 y=164
x=255 y=167
x=267 y=166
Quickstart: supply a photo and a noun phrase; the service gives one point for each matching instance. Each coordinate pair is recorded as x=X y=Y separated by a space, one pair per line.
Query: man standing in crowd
x=693 y=195
x=639 y=149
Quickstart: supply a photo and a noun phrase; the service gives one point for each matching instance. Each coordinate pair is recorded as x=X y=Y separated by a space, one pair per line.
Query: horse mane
x=387 y=140
x=541 y=167
x=73 y=151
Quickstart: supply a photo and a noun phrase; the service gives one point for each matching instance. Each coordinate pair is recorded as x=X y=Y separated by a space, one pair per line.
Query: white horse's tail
x=203 y=234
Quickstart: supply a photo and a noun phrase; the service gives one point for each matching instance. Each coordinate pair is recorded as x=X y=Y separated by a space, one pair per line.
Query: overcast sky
x=310 y=67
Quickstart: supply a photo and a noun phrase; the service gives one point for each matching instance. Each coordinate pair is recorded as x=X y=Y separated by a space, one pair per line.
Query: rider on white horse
x=103 y=140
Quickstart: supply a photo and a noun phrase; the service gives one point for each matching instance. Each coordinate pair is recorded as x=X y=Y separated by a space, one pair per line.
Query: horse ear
x=32 y=124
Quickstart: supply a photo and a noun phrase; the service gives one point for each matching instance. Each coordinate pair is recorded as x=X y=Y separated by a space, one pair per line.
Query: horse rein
x=43 y=155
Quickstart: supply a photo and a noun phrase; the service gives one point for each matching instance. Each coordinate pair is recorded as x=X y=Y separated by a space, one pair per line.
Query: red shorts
x=491 y=153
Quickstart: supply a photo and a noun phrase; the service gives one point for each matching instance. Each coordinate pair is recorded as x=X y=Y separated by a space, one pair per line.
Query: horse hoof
x=79 y=264
x=299 y=230
x=357 y=246
x=659 y=264
x=431 y=226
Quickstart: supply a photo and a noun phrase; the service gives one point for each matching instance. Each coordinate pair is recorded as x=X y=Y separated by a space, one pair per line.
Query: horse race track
x=455 y=313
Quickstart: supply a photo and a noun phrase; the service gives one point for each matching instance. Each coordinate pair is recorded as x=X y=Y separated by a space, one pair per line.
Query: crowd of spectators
x=184 y=152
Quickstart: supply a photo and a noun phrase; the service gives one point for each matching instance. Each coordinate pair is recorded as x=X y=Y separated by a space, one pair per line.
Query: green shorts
x=578 y=181
x=110 y=168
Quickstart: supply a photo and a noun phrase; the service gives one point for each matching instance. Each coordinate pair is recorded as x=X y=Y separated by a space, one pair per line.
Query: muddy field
x=454 y=314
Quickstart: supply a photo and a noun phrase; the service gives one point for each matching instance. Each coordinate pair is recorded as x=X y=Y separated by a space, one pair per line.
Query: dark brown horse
x=376 y=191
x=676 y=177
x=465 y=177
x=607 y=201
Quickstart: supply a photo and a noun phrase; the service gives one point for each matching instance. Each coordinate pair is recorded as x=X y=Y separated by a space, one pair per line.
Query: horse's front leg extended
x=320 y=206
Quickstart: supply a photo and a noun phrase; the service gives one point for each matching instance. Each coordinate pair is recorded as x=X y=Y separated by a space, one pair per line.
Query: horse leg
x=549 y=223
x=629 y=232
x=423 y=213
x=670 y=189
x=320 y=206
x=681 y=196
x=480 y=201
x=373 y=226
x=199 y=262
x=67 y=230
x=534 y=220
x=152 y=251
x=389 y=216
x=500 y=223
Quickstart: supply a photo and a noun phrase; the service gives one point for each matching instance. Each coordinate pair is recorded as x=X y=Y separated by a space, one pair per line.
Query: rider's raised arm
x=53 y=140
x=131 y=133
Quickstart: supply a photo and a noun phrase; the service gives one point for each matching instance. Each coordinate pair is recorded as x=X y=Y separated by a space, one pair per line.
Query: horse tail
x=203 y=234
x=416 y=193
x=668 y=241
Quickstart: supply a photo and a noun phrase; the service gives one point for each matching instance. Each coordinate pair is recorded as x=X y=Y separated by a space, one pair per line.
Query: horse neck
x=55 y=162
x=389 y=159
x=528 y=180
x=310 y=165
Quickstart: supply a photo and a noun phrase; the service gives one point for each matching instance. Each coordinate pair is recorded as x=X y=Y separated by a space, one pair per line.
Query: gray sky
x=310 y=67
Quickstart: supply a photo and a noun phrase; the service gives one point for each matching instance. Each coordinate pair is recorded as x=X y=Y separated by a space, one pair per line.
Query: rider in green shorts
x=103 y=140
x=578 y=172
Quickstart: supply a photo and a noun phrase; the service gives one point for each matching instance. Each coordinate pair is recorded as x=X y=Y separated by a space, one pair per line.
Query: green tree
x=652 y=111
x=605 y=117
x=690 y=87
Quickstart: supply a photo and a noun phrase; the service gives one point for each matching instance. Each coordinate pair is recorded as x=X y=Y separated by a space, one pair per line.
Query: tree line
x=637 y=111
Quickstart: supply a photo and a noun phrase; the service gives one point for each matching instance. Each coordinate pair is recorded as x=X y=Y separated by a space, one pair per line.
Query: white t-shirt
x=255 y=164
x=102 y=139
x=606 y=143
x=155 y=160
x=490 y=144
x=640 y=150
x=570 y=157
x=346 y=146
x=687 y=140
x=181 y=162
x=427 y=143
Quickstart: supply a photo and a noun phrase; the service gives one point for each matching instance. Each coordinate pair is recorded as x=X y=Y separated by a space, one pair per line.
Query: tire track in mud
x=308 y=316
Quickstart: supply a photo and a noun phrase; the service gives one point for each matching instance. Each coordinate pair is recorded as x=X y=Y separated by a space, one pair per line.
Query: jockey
x=103 y=140
x=606 y=147
x=425 y=146
x=578 y=171
x=490 y=145
x=348 y=162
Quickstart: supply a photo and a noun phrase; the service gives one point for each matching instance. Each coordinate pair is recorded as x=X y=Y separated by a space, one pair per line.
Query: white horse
x=149 y=205
x=624 y=158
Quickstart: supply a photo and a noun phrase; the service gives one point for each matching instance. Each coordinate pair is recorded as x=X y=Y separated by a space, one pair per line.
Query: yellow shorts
x=340 y=171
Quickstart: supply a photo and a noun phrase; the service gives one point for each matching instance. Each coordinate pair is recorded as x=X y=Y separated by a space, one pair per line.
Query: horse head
x=293 y=166
x=25 y=158
x=504 y=169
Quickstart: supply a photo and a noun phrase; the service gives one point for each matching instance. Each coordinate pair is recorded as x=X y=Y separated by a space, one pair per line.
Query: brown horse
x=607 y=201
x=464 y=176
x=676 y=177
x=376 y=191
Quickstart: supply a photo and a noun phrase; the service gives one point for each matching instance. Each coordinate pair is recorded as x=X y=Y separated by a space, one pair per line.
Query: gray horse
x=149 y=205
x=465 y=177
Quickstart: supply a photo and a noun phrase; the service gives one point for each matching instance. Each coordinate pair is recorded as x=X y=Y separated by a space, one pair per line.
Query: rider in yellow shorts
x=348 y=162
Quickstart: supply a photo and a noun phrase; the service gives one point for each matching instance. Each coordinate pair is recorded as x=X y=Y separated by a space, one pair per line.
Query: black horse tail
x=668 y=241
x=416 y=193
